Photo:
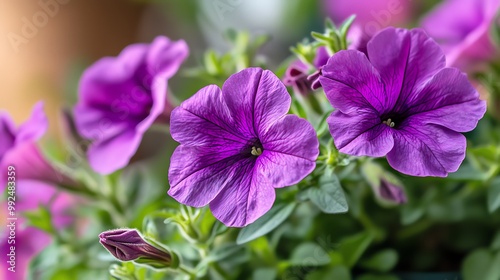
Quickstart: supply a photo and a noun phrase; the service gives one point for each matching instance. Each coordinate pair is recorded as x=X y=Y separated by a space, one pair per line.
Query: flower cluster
x=246 y=153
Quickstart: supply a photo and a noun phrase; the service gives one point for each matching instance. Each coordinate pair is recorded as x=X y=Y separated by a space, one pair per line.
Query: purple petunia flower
x=18 y=148
x=462 y=27
x=121 y=97
x=237 y=145
x=402 y=102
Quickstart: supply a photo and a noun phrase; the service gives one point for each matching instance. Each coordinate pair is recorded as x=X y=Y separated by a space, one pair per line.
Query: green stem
x=187 y=271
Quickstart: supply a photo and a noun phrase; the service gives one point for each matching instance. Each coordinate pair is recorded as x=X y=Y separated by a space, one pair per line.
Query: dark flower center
x=389 y=122
x=393 y=120
x=256 y=151
x=256 y=148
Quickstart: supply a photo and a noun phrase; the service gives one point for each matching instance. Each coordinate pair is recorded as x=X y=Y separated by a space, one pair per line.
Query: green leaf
x=410 y=213
x=494 y=195
x=44 y=264
x=320 y=37
x=383 y=261
x=353 y=247
x=336 y=273
x=298 y=109
x=211 y=62
x=481 y=264
x=225 y=251
x=266 y=223
x=268 y=273
x=329 y=197
x=309 y=254
x=40 y=218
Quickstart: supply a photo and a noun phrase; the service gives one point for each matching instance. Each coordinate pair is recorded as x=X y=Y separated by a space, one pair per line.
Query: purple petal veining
x=401 y=102
x=237 y=145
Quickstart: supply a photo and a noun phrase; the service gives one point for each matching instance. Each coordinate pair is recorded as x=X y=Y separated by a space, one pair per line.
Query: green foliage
x=266 y=223
x=328 y=196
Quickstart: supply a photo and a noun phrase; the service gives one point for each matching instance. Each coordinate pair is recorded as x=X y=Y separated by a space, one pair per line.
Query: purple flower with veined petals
x=237 y=145
x=462 y=27
x=121 y=97
x=402 y=102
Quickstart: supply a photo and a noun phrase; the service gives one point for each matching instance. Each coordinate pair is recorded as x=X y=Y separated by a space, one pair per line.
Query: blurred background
x=47 y=43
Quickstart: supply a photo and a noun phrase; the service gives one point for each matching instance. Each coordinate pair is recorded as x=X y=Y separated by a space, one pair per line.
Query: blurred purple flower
x=237 y=145
x=121 y=97
x=128 y=245
x=371 y=15
x=18 y=148
x=462 y=27
x=402 y=102
x=30 y=241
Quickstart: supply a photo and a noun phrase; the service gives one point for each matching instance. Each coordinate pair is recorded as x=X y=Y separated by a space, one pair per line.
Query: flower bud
x=391 y=192
x=387 y=188
x=129 y=245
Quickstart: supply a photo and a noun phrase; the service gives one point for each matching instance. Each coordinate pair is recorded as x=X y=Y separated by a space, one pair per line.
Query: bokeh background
x=78 y=32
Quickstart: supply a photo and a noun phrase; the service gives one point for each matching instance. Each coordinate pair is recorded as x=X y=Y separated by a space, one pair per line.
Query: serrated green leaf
x=329 y=197
x=309 y=254
x=265 y=224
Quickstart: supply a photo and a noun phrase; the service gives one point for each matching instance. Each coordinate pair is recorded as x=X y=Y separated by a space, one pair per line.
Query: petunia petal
x=405 y=64
x=204 y=120
x=115 y=152
x=165 y=57
x=250 y=198
x=35 y=127
x=362 y=134
x=426 y=150
x=7 y=134
x=198 y=174
x=255 y=98
x=352 y=84
x=449 y=100
x=290 y=151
